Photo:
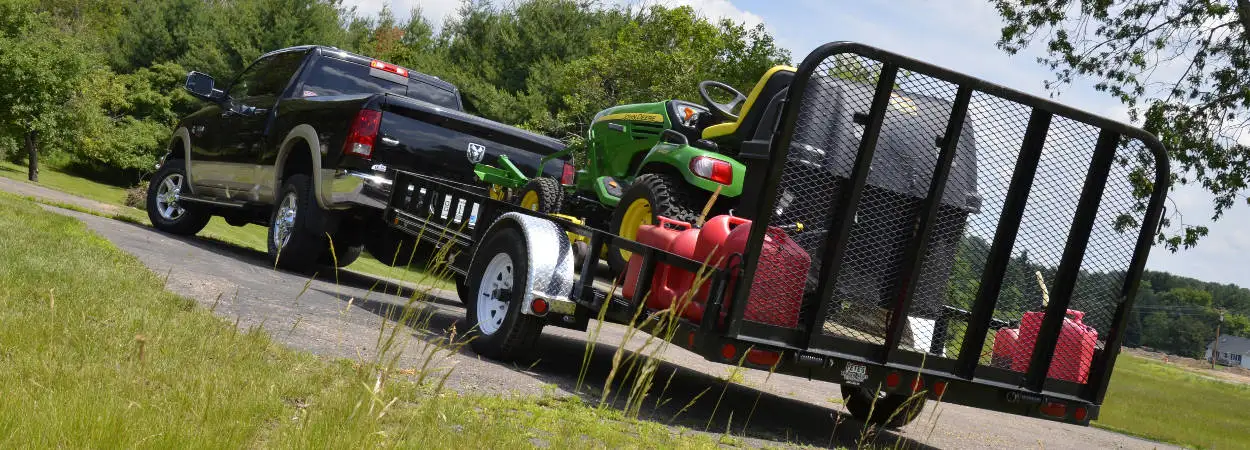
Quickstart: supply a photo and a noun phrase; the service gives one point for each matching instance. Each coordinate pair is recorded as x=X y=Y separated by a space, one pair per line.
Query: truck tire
x=496 y=285
x=345 y=253
x=394 y=249
x=650 y=195
x=541 y=194
x=165 y=211
x=297 y=228
x=890 y=410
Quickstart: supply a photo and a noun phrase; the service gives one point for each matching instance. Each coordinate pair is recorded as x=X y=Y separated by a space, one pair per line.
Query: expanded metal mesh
x=868 y=282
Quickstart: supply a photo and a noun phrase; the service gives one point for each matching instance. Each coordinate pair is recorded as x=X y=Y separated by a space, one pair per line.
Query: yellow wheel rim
x=637 y=214
x=530 y=201
x=496 y=192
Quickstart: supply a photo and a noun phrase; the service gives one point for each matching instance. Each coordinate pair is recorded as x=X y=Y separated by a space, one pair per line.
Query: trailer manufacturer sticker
x=854 y=373
x=459 y=211
x=446 y=207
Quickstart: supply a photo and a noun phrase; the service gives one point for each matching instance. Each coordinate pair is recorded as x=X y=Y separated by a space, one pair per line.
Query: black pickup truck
x=301 y=142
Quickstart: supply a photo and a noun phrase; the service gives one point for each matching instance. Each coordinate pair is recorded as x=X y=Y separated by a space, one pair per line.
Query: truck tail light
x=385 y=66
x=713 y=169
x=363 y=133
x=566 y=178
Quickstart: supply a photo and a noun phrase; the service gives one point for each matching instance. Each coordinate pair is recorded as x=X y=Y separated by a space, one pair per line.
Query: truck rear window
x=333 y=77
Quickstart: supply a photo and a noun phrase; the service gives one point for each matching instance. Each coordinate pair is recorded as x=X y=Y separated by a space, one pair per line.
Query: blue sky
x=959 y=35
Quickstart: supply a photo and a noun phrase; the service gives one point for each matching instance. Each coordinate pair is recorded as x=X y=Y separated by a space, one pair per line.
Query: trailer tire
x=542 y=194
x=651 y=195
x=496 y=284
x=890 y=410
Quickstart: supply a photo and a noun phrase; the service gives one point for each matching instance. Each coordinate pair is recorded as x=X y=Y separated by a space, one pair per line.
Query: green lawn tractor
x=644 y=160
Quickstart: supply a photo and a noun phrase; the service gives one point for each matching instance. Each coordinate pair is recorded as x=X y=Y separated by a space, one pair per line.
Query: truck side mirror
x=201 y=85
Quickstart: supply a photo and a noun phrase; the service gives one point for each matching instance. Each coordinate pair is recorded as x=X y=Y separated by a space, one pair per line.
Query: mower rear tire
x=651 y=195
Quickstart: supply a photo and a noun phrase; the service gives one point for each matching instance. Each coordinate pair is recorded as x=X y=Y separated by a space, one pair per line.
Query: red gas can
x=1006 y=345
x=776 y=293
x=674 y=283
x=1073 y=353
x=659 y=236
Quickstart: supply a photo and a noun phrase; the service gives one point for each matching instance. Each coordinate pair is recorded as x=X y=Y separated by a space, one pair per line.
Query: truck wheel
x=496 y=284
x=297 y=227
x=542 y=194
x=890 y=410
x=166 y=212
x=649 y=196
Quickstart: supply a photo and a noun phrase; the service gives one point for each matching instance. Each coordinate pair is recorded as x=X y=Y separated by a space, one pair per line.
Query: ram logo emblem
x=476 y=152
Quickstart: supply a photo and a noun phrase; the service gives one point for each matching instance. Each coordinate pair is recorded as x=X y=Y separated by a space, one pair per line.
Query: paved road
x=342 y=319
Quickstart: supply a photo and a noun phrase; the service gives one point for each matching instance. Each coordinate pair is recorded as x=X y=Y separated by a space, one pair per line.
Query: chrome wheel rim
x=167 y=195
x=284 y=221
x=491 y=307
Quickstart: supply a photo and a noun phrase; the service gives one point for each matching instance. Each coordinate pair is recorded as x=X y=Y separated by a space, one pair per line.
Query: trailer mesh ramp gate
x=971 y=207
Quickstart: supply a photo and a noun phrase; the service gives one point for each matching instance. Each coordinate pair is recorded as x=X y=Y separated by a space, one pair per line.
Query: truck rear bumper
x=348 y=188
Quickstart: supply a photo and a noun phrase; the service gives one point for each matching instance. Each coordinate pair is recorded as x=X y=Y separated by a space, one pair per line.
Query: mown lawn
x=1165 y=403
x=247 y=236
x=134 y=366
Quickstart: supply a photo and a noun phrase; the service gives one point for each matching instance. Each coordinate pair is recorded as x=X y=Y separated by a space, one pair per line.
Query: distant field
x=248 y=236
x=1165 y=403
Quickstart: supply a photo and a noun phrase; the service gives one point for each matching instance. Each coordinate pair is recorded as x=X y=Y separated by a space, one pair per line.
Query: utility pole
x=1215 y=346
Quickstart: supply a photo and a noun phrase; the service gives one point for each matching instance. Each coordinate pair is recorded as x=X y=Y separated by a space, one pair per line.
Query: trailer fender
x=549 y=256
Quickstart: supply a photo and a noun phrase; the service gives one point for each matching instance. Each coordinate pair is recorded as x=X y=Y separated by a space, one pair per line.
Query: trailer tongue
x=905 y=231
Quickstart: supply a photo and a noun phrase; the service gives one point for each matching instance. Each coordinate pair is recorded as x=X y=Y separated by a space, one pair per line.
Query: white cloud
x=433 y=10
x=713 y=9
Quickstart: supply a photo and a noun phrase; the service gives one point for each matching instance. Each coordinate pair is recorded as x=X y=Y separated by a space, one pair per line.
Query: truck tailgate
x=427 y=139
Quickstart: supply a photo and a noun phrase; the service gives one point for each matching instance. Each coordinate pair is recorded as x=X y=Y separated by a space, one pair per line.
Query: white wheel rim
x=491 y=308
x=284 y=221
x=167 y=197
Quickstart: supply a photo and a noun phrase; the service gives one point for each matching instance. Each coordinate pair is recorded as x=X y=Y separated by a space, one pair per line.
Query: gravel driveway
x=342 y=319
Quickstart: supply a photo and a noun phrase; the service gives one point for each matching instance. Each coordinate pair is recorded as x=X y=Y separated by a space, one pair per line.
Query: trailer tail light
x=728 y=351
x=917 y=384
x=539 y=306
x=891 y=380
x=939 y=388
x=1080 y=414
x=363 y=133
x=763 y=357
x=388 y=67
x=712 y=169
x=566 y=177
x=1054 y=409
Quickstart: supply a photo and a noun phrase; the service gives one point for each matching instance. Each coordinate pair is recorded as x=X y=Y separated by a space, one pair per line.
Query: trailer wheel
x=650 y=195
x=497 y=282
x=541 y=194
x=889 y=410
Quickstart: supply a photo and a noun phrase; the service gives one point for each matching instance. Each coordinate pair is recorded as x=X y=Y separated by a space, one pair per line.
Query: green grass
x=1165 y=403
x=247 y=236
x=134 y=366
x=82 y=187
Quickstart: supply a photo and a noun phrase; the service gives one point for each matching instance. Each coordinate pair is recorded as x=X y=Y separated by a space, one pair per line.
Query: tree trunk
x=1243 y=16
x=32 y=152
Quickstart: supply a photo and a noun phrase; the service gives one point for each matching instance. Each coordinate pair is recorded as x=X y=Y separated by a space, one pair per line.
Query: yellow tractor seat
x=774 y=80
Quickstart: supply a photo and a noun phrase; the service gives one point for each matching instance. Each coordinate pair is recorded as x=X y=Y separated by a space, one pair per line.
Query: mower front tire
x=649 y=196
x=542 y=194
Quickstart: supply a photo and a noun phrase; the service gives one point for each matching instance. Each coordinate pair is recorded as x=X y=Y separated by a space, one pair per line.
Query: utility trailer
x=989 y=258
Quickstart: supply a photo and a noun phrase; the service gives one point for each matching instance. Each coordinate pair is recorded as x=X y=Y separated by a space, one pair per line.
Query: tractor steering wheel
x=724 y=110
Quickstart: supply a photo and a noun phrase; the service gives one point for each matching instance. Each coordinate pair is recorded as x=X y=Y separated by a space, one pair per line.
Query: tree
x=1182 y=67
x=41 y=69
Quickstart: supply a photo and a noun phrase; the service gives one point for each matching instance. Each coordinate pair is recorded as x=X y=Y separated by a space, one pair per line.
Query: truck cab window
x=265 y=80
x=333 y=77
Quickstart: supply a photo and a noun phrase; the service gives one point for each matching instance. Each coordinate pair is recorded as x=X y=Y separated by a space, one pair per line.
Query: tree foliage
x=1182 y=67
x=547 y=65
